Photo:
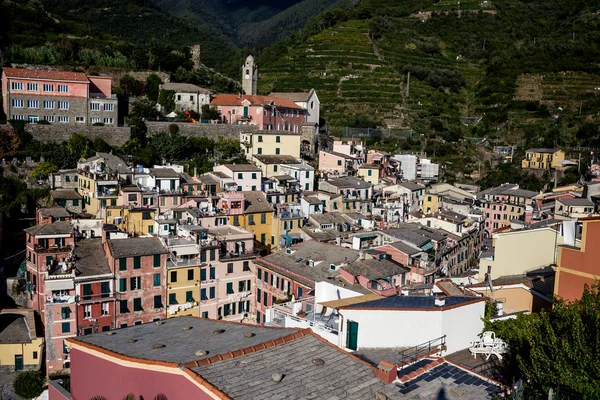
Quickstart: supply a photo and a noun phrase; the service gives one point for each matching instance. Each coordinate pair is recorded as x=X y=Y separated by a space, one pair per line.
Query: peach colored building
x=578 y=266
x=268 y=113
x=336 y=163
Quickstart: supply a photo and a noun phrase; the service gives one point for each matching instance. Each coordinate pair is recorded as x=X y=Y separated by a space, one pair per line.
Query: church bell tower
x=249 y=76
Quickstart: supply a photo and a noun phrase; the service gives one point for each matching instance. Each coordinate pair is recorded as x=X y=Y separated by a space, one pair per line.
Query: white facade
x=379 y=328
x=304 y=173
x=188 y=97
x=429 y=170
x=414 y=168
x=248 y=179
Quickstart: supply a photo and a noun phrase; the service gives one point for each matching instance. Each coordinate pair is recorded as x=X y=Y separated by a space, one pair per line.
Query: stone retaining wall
x=113 y=135
x=211 y=131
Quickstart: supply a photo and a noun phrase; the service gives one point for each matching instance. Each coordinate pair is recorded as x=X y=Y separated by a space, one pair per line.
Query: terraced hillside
x=348 y=73
x=353 y=75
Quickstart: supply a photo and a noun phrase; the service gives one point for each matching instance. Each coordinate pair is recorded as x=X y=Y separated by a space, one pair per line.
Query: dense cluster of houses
x=364 y=252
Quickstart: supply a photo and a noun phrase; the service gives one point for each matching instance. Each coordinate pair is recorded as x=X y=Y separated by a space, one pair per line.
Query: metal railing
x=412 y=354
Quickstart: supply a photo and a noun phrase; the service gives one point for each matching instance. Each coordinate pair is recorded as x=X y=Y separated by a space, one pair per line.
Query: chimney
x=387 y=372
x=440 y=302
x=361 y=255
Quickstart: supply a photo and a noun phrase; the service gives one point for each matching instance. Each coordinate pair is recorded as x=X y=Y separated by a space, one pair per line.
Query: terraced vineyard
x=353 y=76
x=343 y=66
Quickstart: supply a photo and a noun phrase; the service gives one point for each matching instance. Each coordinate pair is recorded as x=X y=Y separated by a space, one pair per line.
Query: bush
x=98 y=124
x=29 y=384
x=173 y=129
x=43 y=122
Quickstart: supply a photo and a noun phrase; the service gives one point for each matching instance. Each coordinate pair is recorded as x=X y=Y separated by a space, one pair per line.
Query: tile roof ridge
x=206 y=384
x=252 y=349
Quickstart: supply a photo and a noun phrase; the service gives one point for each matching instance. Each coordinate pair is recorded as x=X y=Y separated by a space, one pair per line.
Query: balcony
x=184 y=262
x=175 y=309
x=52 y=249
x=60 y=299
x=95 y=298
x=243 y=255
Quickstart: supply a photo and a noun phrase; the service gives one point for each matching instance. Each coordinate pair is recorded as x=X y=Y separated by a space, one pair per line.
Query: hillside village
x=312 y=239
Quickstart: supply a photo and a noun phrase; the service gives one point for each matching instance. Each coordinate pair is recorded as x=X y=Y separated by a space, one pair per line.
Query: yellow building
x=98 y=191
x=544 y=159
x=21 y=345
x=287 y=226
x=270 y=142
x=270 y=164
x=137 y=221
x=432 y=203
x=257 y=217
x=370 y=173
x=184 y=275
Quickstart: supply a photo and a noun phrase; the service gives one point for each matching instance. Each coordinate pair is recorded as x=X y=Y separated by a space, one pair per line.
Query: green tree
x=168 y=146
x=153 y=83
x=9 y=143
x=131 y=87
x=210 y=113
x=559 y=348
x=143 y=107
x=29 y=384
x=166 y=98
x=43 y=170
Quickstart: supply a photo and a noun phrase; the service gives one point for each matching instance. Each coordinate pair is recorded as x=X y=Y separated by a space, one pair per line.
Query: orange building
x=579 y=266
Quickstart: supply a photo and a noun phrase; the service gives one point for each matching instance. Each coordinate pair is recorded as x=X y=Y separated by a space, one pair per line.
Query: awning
x=59 y=284
x=186 y=250
x=427 y=246
x=350 y=301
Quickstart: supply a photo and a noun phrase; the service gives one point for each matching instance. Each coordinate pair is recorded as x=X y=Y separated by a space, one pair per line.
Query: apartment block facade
x=58 y=97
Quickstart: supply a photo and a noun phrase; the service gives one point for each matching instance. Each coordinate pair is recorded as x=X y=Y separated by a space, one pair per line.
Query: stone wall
x=113 y=135
x=211 y=131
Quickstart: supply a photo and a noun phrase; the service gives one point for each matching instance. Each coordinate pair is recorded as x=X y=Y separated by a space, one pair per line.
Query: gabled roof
x=576 y=202
x=412 y=186
x=236 y=100
x=293 y=96
x=349 y=182
x=56 y=228
x=55 y=212
x=256 y=202
x=22 y=73
x=65 y=194
x=275 y=158
x=405 y=248
x=376 y=268
x=184 y=88
x=121 y=248
x=164 y=173
x=242 y=167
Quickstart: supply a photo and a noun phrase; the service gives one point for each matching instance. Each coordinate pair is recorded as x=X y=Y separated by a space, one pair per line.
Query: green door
x=352 y=335
x=18 y=363
x=245 y=111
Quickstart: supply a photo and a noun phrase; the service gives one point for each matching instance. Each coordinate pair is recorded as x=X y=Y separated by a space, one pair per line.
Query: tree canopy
x=558 y=349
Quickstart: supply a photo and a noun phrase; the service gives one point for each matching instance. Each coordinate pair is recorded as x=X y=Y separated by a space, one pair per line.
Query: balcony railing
x=104 y=195
x=238 y=255
x=52 y=249
x=56 y=299
x=184 y=262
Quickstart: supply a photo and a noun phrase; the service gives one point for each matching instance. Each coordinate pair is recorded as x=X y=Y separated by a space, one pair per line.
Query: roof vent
x=440 y=302
x=318 y=361
x=187 y=328
x=277 y=377
x=218 y=331
x=380 y=396
x=158 y=322
x=132 y=340
x=110 y=333
x=158 y=346
x=249 y=334
x=201 y=353
x=181 y=366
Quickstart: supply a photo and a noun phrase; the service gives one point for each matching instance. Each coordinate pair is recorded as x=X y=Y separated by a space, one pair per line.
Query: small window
x=189 y=296
x=156 y=260
x=339 y=162
x=190 y=274
x=230 y=288
x=35 y=355
x=158 y=301
x=66 y=327
x=173 y=276
x=137 y=262
x=247 y=266
x=172 y=298
x=277 y=139
x=230 y=268
x=137 y=304
x=122 y=264
x=156 y=280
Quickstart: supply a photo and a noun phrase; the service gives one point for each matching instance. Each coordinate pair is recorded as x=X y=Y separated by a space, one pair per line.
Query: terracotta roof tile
x=234 y=99
x=43 y=74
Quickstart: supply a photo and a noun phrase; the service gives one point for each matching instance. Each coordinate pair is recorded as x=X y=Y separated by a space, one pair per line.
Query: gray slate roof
x=56 y=228
x=181 y=345
x=65 y=194
x=121 y=248
x=577 y=202
x=349 y=182
x=408 y=236
x=256 y=202
x=90 y=259
x=293 y=96
x=248 y=377
x=541 y=150
x=412 y=186
x=405 y=248
x=375 y=268
x=183 y=87
x=54 y=212
x=275 y=158
x=13 y=329
x=164 y=173
x=310 y=250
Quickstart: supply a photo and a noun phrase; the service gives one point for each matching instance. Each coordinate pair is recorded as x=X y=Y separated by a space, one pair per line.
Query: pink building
x=336 y=163
x=503 y=206
x=58 y=96
x=268 y=113
x=138 y=265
